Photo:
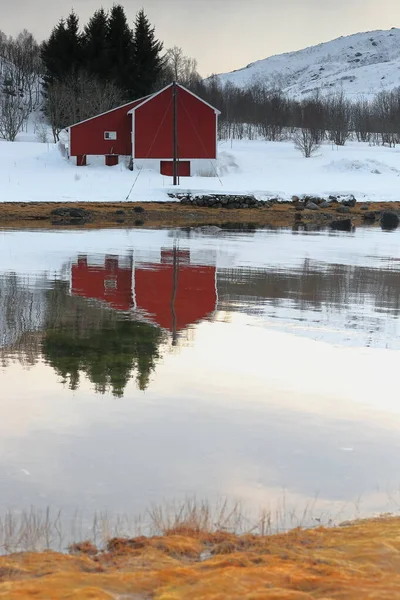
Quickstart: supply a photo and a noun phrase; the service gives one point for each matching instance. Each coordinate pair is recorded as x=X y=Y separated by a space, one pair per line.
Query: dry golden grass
x=357 y=562
x=164 y=214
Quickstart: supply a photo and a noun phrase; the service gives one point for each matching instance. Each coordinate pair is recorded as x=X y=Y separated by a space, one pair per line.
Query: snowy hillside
x=363 y=64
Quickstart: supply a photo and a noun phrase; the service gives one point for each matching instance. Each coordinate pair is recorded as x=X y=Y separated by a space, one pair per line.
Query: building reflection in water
x=112 y=318
x=123 y=316
x=173 y=294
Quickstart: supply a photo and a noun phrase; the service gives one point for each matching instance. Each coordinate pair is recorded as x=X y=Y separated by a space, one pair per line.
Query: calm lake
x=142 y=366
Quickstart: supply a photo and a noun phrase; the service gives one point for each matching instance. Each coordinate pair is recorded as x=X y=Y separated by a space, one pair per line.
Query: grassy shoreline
x=358 y=560
x=173 y=214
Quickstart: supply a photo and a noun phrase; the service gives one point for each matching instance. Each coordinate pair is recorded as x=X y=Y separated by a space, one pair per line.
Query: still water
x=139 y=366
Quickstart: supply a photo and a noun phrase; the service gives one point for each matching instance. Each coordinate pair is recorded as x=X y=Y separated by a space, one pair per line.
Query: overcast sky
x=221 y=34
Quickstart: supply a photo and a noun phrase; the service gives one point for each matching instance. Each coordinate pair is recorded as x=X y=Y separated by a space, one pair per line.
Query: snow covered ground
x=32 y=171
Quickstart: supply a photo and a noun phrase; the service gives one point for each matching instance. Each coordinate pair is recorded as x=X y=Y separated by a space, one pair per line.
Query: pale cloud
x=223 y=34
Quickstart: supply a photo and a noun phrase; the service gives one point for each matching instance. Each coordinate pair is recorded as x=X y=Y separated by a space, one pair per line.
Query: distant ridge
x=361 y=64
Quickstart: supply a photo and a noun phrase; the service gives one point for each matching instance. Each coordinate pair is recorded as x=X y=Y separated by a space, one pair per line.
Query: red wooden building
x=173 y=294
x=171 y=124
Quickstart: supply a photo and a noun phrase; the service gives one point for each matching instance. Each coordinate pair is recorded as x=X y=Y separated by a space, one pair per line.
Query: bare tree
x=181 y=68
x=339 y=118
x=22 y=57
x=305 y=141
x=57 y=108
x=14 y=109
x=78 y=98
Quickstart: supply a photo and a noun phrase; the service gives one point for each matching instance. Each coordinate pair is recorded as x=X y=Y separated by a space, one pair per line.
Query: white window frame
x=110 y=136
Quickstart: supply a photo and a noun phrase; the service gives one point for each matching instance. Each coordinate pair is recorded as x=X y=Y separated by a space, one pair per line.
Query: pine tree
x=120 y=50
x=62 y=53
x=53 y=55
x=74 y=43
x=147 y=56
x=95 y=48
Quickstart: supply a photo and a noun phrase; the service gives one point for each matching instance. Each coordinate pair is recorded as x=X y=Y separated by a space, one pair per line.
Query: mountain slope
x=362 y=64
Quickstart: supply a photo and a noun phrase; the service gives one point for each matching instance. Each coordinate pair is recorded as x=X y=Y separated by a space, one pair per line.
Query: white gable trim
x=145 y=100
x=217 y=112
x=107 y=112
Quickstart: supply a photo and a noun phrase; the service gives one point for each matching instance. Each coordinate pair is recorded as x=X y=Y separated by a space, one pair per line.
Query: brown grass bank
x=171 y=214
x=359 y=561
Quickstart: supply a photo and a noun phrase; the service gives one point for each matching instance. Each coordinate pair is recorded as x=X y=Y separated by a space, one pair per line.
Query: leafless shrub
x=62 y=149
x=41 y=132
x=304 y=141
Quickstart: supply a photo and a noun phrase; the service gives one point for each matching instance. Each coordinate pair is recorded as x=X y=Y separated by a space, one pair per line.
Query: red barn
x=172 y=123
x=173 y=294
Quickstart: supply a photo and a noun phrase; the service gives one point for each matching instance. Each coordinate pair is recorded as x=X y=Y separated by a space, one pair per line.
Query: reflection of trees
x=89 y=337
x=108 y=354
x=312 y=286
x=357 y=299
x=74 y=335
x=22 y=315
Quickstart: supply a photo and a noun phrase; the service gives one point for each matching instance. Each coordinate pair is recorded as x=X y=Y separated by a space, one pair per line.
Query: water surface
x=145 y=365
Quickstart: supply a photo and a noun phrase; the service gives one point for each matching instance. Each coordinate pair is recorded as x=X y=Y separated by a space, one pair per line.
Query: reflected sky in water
x=139 y=366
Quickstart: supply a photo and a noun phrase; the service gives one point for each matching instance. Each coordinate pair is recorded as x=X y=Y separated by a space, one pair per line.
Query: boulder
x=312 y=206
x=389 y=220
x=343 y=209
x=324 y=205
x=315 y=199
x=70 y=213
x=342 y=225
x=370 y=216
x=349 y=201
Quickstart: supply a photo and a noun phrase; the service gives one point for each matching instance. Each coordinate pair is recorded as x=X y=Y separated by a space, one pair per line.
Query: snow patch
x=368 y=165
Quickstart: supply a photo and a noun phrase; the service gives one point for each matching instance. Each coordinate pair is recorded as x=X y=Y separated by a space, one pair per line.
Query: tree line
x=79 y=72
x=93 y=70
x=260 y=112
x=82 y=71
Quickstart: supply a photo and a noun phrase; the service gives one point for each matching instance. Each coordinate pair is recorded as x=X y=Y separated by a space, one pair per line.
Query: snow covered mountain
x=362 y=64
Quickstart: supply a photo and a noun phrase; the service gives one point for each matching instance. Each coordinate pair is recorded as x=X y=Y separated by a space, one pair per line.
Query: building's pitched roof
x=141 y=101
x=145 y=100
x=138 y=101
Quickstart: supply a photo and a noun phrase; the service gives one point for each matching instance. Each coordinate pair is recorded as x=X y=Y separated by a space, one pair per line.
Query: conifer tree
x=147 y=56
x=120 y=50
x=53 y=54
x=95 y=47
x=62 y=53
x=74 y=45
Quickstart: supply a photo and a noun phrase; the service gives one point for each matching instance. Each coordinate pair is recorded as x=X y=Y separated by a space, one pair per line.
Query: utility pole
x=175 y=164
